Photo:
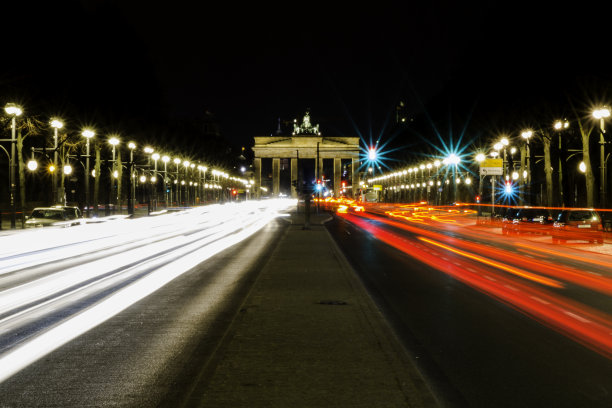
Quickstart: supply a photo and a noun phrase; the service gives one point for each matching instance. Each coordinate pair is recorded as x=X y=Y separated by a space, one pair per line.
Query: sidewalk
x=308 y=335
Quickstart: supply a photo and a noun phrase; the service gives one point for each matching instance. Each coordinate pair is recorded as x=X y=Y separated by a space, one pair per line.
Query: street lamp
x=114 y=141
x=56 y=124
x=155 y=156
x=527 y=134
x=14 y=111
x=177 y=161
x=87 y=134
x=166 y=159
x=601 y=114
x=32 y=165
x=453 y=160
x=504 y=142
x=131 y=184
x=480 y=157
x=559 y=126
x=186 y=166
x=202 y=180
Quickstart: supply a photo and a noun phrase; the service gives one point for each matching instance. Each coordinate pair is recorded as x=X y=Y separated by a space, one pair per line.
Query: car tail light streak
x=533 y=287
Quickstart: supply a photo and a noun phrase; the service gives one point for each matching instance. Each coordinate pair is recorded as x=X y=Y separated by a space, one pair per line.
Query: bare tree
x=545 y=137
x=585 y=133
x=29 y=126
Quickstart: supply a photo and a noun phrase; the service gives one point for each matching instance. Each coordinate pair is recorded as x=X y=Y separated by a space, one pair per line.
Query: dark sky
x=135 y=64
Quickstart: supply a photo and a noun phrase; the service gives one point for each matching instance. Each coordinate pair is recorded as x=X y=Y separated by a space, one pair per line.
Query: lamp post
x=131 y=183
x=155 y=156
x=186 y=166
x=177 y=161
x=192 y=183
x=453 y=160
x=559 y=126
x=504 y=142
x=14 y=111
x=87 y=134
x=480 y=157
x=526 y=134
x=166 y=159
x=601 y=114
x=202 y=181
x=56 y=124
x=114 y=141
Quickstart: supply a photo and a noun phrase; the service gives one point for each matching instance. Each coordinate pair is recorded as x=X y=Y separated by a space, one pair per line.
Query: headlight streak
x=197 y=248
x=585 y=325
x=36 y=247
x=19 y=296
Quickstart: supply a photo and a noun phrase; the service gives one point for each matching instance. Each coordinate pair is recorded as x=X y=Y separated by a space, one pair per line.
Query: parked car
x=527 y=220
x=581 y=225
x=56 y=216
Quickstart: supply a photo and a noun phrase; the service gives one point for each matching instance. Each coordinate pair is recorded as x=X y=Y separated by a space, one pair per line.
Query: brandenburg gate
x=305 y=142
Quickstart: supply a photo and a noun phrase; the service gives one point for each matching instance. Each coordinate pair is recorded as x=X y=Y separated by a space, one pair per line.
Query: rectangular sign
x=491 y=171
x=492 y=163
x=377 y=187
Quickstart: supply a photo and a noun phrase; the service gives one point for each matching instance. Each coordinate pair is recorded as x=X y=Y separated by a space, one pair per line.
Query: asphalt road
x=475 y=347
x=144 y=355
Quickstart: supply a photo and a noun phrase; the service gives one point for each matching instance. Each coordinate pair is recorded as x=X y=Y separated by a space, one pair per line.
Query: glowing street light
x=527 y=134
x=32 y=165
x=14 y=111
x=56 y=124
x=602 y=114
x=453 y=160
x=87 y=134
x=166 y=159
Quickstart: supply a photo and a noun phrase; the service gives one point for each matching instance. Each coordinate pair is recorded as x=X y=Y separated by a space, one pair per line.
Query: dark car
x=527 y=220
x=56 y=216
x=578 y=225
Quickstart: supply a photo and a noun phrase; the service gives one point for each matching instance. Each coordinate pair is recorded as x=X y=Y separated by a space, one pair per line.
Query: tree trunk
x=22 y=181
x=548 y=171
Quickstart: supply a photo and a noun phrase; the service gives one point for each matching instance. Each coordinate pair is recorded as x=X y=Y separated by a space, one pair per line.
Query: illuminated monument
x=305 y=142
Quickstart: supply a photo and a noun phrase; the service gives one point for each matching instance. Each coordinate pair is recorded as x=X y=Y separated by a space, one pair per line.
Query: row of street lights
x=408 y=179
x=396 y=180
x=15 y=111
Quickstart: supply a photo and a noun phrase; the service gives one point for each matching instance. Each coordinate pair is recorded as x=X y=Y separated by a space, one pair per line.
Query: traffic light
x=234 y=192
x=478 y=199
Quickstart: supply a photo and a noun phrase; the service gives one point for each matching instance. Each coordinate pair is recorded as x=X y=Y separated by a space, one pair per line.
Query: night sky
x=134 y=66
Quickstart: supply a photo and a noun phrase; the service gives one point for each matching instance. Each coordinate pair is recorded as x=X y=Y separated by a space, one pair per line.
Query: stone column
x=337 y=176
x=355 y=176
x=257 y=176
x=294 y=177
x=275 y=176
x=321 y=168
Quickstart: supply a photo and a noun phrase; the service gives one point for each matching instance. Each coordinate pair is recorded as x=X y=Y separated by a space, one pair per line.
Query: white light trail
x=169 y=256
